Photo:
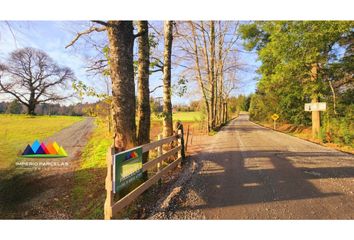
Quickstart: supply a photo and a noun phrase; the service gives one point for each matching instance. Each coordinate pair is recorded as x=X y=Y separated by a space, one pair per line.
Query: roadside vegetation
x=303 y=62
x=88 y=193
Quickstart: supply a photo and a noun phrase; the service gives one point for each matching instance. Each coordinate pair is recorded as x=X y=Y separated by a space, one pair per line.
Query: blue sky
x=53 y=36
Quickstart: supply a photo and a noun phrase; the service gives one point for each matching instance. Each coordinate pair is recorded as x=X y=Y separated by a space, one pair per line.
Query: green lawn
x=88 y=193
x=16 y=131
x=183 y=117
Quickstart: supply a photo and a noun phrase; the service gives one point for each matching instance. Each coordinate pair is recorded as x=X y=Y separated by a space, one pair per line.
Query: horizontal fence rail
x=111 y=208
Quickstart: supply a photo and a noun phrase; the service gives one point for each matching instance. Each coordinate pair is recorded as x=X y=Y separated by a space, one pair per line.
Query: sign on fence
x=127 y=167
x=317 y=106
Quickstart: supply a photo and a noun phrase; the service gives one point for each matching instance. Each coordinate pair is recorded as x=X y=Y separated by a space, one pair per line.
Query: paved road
x=250 y=172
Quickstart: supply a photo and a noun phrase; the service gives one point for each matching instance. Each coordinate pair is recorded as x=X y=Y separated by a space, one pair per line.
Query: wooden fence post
x=109 y=185
x=159 y=153
x=187 y=137
x=181 y=142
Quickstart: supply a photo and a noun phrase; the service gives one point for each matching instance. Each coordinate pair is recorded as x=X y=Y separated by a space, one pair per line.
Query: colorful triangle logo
x=41 y=150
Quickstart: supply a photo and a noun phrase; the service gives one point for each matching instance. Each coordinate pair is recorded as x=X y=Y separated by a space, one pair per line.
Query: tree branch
x=100 y=22
x=139 y=34
x=153 y=90
x=156 y=70
x=88 y=31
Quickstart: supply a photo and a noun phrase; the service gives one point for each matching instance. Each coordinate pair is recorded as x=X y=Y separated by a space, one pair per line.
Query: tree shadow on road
x=227 y=181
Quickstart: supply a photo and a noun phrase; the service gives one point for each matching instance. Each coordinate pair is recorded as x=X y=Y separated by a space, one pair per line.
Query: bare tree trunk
x=121 y=42
x=226 y=112
x=211 y=90
x=199 y=73
x=333 y=96
x=31 y=105
x=220 y=74
x=213 y=86
x=167 y=105
x=143 y=84
x=143 y=89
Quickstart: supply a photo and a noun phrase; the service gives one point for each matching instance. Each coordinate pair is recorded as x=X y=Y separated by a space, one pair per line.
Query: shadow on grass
x=78 y=195
x=71 y=195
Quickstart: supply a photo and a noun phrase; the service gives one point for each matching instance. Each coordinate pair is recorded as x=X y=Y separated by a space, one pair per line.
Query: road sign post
x=275 y=117
x=315 y=107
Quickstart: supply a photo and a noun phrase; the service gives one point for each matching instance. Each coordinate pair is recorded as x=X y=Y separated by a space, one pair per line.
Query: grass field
x=16 y=131
x=183 y=117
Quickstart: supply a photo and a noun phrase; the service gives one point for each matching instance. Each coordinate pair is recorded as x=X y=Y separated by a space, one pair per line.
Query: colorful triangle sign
x=41 y=150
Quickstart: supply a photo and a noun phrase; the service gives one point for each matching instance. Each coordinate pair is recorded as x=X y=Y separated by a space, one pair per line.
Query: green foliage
x=15 y=107
x=155 y=106
x=258 y=110
x=180 y=88
x=106 y=54
x=289 y=50
x=83 y=90
x=239 y=103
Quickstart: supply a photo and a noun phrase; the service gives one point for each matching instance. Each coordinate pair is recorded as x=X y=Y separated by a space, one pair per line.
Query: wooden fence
x=110 y=207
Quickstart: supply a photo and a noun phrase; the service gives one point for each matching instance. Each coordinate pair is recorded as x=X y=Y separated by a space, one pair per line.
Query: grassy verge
x=182 y=116
x=306 y=134
x=19 y=130
x=88 y=193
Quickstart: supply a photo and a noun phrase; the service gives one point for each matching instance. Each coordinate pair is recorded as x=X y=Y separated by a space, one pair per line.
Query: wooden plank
x=159 y=153
x=186 y=144
x=155 y=144
x=109 y=185
x=180 y=143
x=159 y=159
x=125 y=201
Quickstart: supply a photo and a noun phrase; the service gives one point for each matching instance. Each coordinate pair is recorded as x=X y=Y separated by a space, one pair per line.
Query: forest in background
x=304 y=61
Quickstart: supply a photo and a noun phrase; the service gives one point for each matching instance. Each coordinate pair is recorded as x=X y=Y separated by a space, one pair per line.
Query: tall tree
x=143 y=83
x=121 y=66
x=144 y=111
x=167 y=105
x=32 y=77
x=213 y=82
x=297 y=62
x=204 y=32
x=198 y=72
x=220 y=75
x=117 y=62
x=210 y=55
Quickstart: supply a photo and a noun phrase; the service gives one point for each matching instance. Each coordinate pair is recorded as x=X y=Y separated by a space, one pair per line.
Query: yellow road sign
x=275 y=117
